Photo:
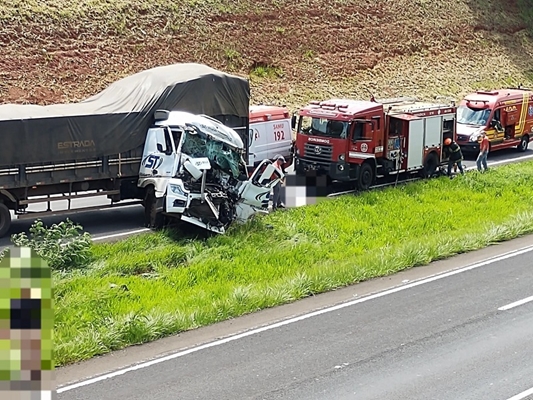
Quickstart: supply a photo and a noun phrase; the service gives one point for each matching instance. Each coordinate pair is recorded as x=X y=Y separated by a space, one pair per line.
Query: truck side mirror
x=160 y=148
x=293 y=122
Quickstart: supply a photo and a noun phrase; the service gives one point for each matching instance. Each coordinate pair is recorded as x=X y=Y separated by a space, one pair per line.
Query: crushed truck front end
x=208 y=185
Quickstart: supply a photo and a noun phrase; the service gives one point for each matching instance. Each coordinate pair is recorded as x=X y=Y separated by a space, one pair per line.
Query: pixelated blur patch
x=305 y=190
x=26 y=323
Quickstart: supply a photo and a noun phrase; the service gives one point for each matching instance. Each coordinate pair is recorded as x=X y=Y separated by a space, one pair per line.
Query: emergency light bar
x=485 y=105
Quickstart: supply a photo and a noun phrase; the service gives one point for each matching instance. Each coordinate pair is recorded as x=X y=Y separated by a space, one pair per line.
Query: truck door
x=255 y=192
x=159 y=154
x=361 y=143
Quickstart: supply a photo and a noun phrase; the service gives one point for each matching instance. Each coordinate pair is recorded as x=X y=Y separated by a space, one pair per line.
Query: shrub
x=64 y=246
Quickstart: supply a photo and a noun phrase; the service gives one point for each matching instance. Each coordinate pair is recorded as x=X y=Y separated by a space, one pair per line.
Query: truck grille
x=318 y=152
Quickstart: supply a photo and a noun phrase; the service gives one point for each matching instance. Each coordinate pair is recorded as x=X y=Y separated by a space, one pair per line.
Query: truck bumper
x=335 y=170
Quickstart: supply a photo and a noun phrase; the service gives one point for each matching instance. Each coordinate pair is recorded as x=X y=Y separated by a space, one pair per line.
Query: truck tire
x=524 y=143
x=5 y=219
x=430 y=166
x=366 y=177
x=152 y=218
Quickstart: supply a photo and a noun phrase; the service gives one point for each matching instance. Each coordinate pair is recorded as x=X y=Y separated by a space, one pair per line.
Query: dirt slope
x=61 y=51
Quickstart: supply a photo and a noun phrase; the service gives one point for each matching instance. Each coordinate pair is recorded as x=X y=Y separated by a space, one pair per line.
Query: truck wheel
x=430 y=166
x=524 y=143
x=152 y=219
x=366 y=177
x=5 y=219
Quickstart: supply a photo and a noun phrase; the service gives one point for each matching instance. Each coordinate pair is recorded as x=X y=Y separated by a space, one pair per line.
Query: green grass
x=153 y=285
x=267 y=71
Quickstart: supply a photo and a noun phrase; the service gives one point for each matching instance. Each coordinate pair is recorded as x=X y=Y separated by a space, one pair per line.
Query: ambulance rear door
x=258 y=143
x=279 y=136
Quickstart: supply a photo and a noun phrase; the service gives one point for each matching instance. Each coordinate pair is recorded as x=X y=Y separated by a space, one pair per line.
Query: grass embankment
x=152 y=286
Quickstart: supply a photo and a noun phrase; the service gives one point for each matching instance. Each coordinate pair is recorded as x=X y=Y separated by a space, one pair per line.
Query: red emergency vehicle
x=352 y=140
x=505 y=115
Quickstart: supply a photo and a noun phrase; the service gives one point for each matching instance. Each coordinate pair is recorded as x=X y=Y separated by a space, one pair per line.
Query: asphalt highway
x=464 y=334
x=121 y=222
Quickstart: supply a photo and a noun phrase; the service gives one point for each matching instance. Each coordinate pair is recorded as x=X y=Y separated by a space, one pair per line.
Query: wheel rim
x=524 y=144
x=366 y=177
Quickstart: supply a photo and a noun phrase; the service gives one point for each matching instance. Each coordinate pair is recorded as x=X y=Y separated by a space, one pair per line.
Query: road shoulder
x=136 y=354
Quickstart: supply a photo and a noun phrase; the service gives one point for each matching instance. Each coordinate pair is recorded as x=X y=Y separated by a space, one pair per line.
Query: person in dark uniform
x=455 y=156
x=279 y=160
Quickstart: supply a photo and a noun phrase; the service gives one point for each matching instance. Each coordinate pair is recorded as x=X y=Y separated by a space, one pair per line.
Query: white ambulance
x=270 y=134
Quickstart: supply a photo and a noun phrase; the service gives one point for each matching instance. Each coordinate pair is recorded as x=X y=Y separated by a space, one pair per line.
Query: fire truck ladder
x=430 y=108
x=397 y=100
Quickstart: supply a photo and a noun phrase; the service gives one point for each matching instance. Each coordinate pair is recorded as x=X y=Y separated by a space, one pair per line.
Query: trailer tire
x=524 y=143
x=430 y=166
x=5 y=219
x=366 y=177
x=152 y=218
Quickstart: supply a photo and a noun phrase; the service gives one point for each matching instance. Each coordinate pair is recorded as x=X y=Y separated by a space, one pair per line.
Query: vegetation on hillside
x=58 y=50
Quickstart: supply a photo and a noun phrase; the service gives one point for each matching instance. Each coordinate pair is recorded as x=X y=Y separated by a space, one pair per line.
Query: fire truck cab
x=505 y=115
x=353 y=140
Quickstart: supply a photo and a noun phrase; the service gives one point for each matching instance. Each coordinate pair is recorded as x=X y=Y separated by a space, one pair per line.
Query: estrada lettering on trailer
x=76 y=144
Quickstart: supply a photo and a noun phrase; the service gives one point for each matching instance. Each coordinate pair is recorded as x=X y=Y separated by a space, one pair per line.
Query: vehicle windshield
x=324 y=127
x=472 y=116
x=226 y=158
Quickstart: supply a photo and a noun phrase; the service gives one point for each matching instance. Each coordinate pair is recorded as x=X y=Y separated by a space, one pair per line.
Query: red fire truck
x=506 y=116
x=362 y=141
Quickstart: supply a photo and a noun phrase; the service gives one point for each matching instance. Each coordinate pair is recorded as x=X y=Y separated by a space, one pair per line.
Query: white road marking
x=114 y=235
x=516 y=304
x=94 y=239
x=255 y=331
x=511 y=161
x=522 y=395
x=492 y=163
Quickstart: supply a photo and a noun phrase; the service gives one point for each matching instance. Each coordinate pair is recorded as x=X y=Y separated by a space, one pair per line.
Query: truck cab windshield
x=323 y=127
x=218 y=153
x=472 y=116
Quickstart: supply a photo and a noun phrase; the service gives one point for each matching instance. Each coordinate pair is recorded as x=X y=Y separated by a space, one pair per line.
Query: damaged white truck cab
x=193 y=169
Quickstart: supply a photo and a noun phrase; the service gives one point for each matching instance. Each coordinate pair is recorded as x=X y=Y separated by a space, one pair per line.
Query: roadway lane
x=444 y=339
x=99 y=223
x=500 y=157
x=116 y=223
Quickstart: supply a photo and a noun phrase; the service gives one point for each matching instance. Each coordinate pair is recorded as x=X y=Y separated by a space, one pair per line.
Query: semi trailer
x=117 y=144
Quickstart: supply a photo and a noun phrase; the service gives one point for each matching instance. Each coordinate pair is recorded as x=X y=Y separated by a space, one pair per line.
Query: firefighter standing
x=455 y=156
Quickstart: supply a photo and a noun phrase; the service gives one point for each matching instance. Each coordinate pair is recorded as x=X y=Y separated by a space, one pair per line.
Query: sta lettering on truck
x=152 y=162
